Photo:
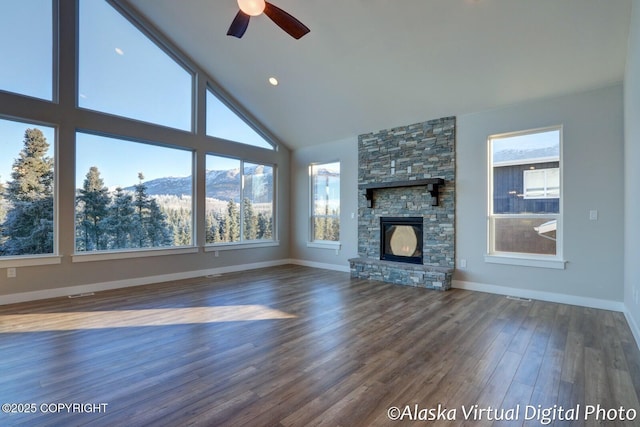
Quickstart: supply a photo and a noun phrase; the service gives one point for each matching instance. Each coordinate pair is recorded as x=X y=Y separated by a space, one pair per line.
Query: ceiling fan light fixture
x=252 y=7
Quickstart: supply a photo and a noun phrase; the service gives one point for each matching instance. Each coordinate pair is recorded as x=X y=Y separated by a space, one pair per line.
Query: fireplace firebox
x=401 y=239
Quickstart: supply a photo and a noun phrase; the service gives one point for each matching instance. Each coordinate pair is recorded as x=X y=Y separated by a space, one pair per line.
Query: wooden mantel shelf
x=432 y=184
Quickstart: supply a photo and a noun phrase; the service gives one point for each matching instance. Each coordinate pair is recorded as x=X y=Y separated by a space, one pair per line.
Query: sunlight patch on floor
x=39 y=322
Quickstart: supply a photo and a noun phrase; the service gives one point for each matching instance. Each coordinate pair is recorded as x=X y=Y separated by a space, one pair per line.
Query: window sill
x=124 y=254
x=236 y=246
x=552 y=263
x=30 y=260
x=324 y=245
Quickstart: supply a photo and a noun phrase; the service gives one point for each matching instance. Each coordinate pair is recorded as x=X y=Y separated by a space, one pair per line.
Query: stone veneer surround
x=418 y=151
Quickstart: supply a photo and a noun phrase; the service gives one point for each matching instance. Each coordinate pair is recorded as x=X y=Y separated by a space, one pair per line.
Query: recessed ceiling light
x=119 y=51
x=273 y=81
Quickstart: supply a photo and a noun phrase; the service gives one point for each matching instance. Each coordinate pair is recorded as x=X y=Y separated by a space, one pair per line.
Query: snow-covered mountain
x=220 y=184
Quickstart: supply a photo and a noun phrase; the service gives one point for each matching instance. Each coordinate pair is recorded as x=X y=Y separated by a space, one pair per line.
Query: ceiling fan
x=249 y=8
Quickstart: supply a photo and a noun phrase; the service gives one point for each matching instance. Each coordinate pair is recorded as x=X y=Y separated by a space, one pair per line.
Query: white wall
x=632 y=174
x=593 y=144
x=345 y=151
x=593 y=179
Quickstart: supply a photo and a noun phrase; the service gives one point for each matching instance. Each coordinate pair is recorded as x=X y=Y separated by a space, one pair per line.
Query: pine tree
x=3 y=214
x=3 y=210
x=233 y=221
x=223 y=228
x=335 y=226
x=250 y=221
x=28 y=226
x=119 y=221
x=157 y=229
x=141 y=204
x=213 y=228
x=264 y=226
x=94 y=198
x=185 y=235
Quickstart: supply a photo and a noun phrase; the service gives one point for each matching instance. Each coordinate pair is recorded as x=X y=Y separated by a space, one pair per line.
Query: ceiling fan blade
x=291 y=25
x=239 y=25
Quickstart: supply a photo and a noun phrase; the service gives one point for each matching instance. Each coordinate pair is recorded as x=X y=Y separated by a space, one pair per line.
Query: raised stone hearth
x=400 y=173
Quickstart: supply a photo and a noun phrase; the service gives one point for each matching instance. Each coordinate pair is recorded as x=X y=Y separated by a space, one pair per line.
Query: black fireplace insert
x=401 y=239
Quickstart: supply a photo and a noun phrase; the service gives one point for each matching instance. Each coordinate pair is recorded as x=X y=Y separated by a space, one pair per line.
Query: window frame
x=159 y=41
x=242 y=243
x=67 y=117
x=210 y=91
x=312 y=242
x=136 y=252
x=555 y=261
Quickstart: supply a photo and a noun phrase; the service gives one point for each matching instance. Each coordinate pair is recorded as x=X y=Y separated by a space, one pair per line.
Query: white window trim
x=325 y=244
x=30 y=260
x=524 y=259
x=231 y=246
x=132 y=253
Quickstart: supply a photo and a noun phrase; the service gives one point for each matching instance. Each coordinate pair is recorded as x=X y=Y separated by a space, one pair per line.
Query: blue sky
x=29 y=70
x=528 y=141
x=120 y=72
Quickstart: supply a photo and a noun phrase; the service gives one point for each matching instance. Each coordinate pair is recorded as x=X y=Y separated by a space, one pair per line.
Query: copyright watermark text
x=539 y=413
x=54 y=408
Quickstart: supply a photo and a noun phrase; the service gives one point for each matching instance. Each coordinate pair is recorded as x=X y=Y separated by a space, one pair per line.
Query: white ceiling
x=368 y=65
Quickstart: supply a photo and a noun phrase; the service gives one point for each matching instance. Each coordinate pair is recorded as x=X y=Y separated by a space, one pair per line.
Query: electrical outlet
x=463 y=263
x=593 y=215
x=11 y=272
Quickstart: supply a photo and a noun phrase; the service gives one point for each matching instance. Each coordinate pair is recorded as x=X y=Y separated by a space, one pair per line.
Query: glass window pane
x=122 y=72
x=223 y=188
x=525 y=181
x=27 y=53
x=27 y=189
x=325 y=198
x=525 y=235
x=258 y=202
x=521 y=180
x=526 y=148
x=224 y=123
x=124 y=200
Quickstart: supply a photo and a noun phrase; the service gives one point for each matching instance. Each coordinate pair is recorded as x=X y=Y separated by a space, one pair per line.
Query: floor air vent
x=519 y=298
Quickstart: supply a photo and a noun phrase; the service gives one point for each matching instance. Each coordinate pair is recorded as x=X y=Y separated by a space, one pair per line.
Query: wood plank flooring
x=296 y=346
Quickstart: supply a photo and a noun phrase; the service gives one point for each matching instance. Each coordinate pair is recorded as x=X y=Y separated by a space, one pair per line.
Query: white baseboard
x=147 y=280
x=322 y=265
x=543 y=296
x=635 y=329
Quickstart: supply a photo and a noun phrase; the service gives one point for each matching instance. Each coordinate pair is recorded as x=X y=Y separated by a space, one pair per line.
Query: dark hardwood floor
x=295 y=346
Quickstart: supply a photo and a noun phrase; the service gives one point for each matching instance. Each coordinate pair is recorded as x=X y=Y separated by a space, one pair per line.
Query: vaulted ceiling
x=375 y=64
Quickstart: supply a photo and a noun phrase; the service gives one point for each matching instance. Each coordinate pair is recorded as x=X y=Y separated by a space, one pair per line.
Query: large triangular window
x=123 y=72
x=224 y=123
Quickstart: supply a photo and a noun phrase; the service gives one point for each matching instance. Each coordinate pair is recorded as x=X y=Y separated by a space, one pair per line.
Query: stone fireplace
x=406 y=208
